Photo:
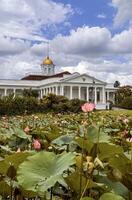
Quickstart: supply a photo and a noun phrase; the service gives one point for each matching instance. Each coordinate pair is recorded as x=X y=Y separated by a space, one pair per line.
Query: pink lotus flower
x=27 y=129
x=36 y=145
x=88 y=107
x=125 y=121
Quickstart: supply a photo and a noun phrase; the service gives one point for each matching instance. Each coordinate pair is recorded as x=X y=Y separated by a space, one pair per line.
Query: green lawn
x=117 y=112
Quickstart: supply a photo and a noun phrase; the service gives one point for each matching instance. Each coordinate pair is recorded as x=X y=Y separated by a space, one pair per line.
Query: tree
x=117 y=84
x=122 y=93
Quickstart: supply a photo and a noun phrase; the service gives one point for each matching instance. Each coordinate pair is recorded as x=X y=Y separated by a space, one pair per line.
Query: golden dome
x=47 y=61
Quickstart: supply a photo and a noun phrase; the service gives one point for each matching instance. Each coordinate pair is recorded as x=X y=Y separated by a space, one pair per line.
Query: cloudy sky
x=88 y=36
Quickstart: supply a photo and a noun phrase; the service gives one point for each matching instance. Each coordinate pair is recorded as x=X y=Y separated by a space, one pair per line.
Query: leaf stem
x=88 y=181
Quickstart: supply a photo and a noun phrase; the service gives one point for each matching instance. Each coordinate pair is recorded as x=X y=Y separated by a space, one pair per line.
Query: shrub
x=74 y=105
x=127 y=103
x=122 y=93
x=19 y=105
x=52 y=102
x=30 y=93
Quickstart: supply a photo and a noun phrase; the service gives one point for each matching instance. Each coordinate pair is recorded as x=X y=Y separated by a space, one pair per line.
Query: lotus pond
x=86 y=156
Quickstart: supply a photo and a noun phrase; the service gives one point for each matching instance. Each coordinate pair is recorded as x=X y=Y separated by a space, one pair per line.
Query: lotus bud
x=36 y=145
x=89 y=158
x=90 y=167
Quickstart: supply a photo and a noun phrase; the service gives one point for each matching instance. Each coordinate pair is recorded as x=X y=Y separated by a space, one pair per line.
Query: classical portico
x=87 y=93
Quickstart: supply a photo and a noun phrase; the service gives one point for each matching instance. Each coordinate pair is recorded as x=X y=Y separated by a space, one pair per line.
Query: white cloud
x=93 y=42
x=21 y=23
x=124 y=12
x=108 y=71
x=10 y=46
x=26 y=18
x=102 y=16
x=83 y=41
x=121 y=43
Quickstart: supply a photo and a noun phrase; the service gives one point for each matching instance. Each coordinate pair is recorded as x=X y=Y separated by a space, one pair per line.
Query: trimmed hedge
x=51 y=103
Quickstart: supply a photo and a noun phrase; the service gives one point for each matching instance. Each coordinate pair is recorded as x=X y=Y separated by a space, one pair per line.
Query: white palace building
x=81 y=86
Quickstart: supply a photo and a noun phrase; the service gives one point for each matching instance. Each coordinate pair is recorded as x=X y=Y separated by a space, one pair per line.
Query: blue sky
x=88 y=36
x=86 y=12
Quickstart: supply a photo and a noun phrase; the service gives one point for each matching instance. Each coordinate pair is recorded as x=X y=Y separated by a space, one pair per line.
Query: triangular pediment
x=83 y=78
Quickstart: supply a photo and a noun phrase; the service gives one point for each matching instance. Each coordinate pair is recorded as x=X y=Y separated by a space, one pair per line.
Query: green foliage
x=121 y=94
x=29 y=103
x=127 y=103
x=121 y=168
x=98 y=162
x=30 y=93
x=111 y=196
x=74 y=105
x=41 y=171
x=117 y=84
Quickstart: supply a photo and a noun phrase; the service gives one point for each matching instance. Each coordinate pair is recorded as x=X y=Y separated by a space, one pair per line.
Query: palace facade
x=75 y=85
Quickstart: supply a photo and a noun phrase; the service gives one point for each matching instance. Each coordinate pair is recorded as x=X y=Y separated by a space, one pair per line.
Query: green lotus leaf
x=41 y=171
x=83 y=143
x=18 y=132
x=74 y=182
x=15 y=160
x=63 y=140
x=116 y=187
x=93 y=132
x=111 y=196
x=107 y=150
x=124 y=166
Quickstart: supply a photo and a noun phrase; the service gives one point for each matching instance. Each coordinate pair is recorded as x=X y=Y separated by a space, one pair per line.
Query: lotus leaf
x=111 y=196
x=41 y=171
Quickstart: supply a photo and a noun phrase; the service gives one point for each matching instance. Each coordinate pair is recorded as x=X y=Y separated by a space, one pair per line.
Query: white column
x=56 y=90
x=44 y=92
x=103 y=93
x=52 y=90
x=5 y=93
x=62 y=90
x=87 y=94
x=71 y=95
x=41 y=94
x=108 y=95
x=79 y=92
x=95 y=95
